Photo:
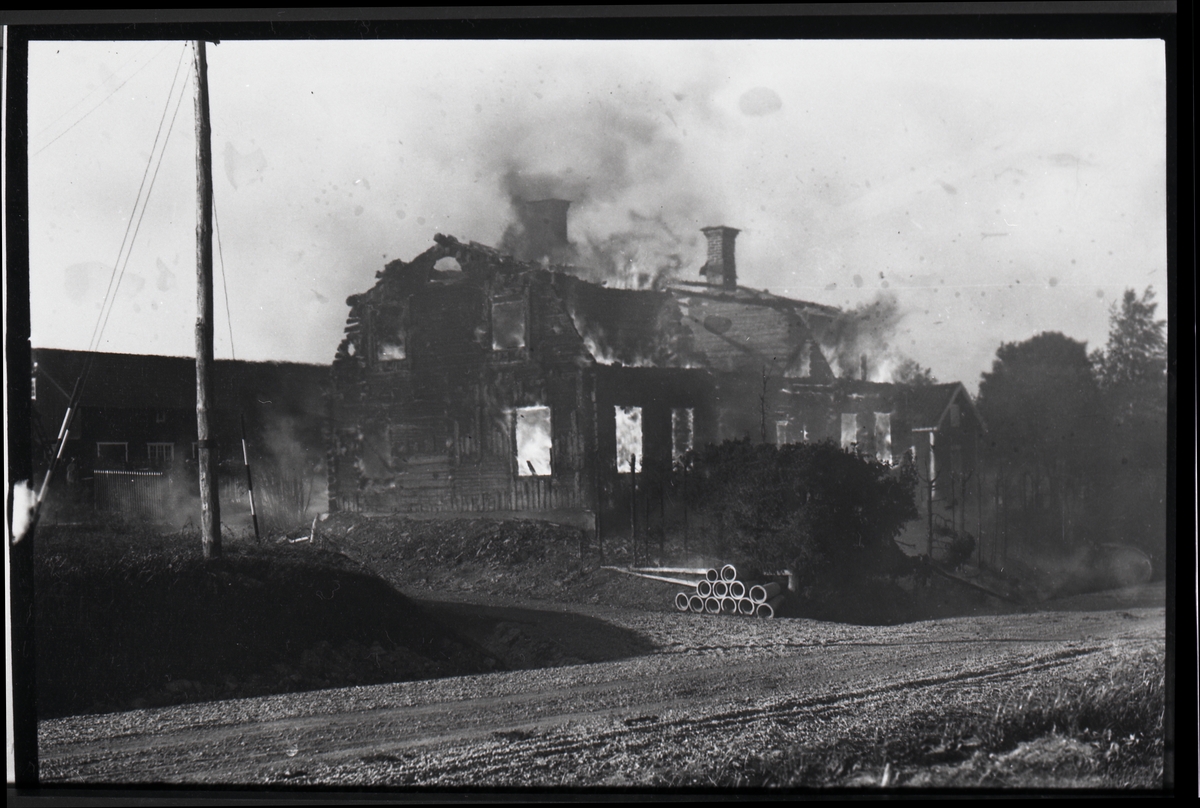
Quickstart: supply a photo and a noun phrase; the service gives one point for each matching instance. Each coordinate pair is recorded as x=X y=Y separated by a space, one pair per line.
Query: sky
x=986 y=191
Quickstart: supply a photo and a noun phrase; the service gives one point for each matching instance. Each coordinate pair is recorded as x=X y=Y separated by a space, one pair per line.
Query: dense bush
x=957 y=546
x=827 y=514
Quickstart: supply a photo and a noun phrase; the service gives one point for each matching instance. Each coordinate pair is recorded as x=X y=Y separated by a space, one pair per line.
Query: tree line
x=1078 y=441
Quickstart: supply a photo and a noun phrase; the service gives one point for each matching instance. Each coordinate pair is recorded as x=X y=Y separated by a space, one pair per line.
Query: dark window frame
x=509 y=353
x=169 y=457
x=376 y=318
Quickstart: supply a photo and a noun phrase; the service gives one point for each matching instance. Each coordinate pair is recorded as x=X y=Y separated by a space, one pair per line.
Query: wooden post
x=685 y=509
x=662 y=512
x=210 y=501
x=633 y=504
x=599 y=509
x=932 y=481
x=249 y=483
x=646 y=484
x=593 y=458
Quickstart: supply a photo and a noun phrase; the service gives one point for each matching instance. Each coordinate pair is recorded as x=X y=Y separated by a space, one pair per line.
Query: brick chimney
x=720 y=269
x=545 y=224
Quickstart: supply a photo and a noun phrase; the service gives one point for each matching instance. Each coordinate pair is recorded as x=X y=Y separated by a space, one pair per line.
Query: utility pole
x=210 y=501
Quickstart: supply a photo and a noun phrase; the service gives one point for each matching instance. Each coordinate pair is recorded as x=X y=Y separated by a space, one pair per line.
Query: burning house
x=471 y=379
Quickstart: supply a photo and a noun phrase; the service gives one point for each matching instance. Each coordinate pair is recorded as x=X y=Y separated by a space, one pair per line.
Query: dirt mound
x=130 y=621
x=518 y=560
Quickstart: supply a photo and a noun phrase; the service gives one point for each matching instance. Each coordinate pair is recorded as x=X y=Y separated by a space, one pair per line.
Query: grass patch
x=1104 y=731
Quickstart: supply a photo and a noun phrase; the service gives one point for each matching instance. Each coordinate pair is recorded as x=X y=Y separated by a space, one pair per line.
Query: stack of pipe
x=719 y=591
x=722 y=592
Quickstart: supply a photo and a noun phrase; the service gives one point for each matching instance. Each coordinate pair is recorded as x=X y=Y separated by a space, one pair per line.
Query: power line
x=99 y=87
x=145 y=204
x=93 y=109
x=92 y=343
x=224 y=285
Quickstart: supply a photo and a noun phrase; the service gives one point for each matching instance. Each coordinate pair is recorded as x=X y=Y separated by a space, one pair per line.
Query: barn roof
x=138 y=381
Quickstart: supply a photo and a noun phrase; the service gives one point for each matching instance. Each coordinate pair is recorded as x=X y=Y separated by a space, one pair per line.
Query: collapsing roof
x=714 y=326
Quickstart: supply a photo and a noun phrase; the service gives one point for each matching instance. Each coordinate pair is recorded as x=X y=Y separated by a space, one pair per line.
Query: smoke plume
x=860 y=342
x=637 y=198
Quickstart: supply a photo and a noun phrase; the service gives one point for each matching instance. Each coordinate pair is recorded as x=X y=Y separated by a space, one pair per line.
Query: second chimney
x=720 y=269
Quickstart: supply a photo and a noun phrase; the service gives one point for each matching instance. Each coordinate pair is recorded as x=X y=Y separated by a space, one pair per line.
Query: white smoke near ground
x=23 y=499
x=290 y=480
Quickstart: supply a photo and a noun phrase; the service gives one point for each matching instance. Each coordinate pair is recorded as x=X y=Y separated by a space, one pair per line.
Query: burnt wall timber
x=425 y=420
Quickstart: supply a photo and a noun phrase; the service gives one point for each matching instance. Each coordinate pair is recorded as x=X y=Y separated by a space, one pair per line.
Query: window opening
x=849 y=430
x=391 y=334
x=629 y=436
x=508 y=325
x=883 y=437
x=375 y=456
x=112 y=451
x=534 y=441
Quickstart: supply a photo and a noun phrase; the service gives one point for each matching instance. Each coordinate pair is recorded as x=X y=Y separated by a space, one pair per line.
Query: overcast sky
x=995 y=189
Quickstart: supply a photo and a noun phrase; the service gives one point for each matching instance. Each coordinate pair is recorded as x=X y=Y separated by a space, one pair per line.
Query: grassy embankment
x=128 y=617
x=131 y=618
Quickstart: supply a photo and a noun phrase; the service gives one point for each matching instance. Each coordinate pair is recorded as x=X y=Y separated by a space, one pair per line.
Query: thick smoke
x=860 y=342
x=637 y=198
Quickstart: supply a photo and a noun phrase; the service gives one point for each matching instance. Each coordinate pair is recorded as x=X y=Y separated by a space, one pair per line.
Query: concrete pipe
x=769 y=608
x=728 y=573
x=746 y=606
x=729 y=606
x=682 y=601
x=712 y=605
x=672 y=570
x=737 y=589
x=696 y=604
x=704 y=589
x=761 y=593
x=712 y=575
x=720 y=589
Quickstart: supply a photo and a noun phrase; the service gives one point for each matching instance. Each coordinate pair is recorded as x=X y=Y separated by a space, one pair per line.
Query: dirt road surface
x=714 y=688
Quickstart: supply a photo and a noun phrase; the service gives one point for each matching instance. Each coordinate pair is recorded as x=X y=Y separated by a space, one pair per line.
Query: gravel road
x=713 y=688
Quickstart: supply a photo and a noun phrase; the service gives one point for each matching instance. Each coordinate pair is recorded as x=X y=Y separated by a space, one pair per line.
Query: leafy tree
x=1133 y=365
x=1041 y=404
x=829 y=515
x=1132 y=373
x=1039 y=400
